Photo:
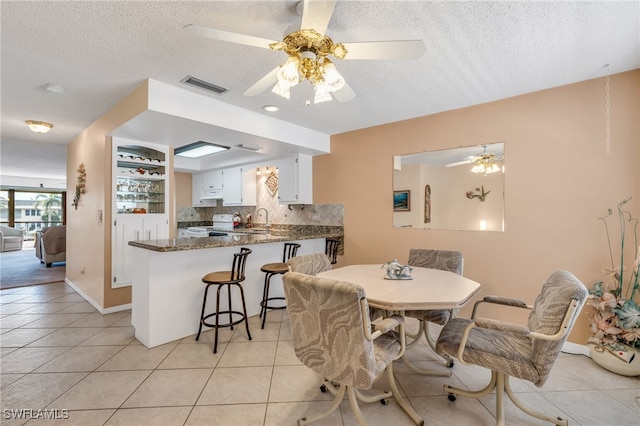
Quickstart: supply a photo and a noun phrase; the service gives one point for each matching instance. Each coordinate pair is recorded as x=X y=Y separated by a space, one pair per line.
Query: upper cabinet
x=295 y=180
x=212 y=180
x=239 y=186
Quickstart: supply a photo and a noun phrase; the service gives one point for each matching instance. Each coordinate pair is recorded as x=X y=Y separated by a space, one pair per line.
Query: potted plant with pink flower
x=615 y=320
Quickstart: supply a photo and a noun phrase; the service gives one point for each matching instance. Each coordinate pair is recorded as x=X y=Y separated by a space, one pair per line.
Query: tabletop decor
x=396 y=271
x=615 y=320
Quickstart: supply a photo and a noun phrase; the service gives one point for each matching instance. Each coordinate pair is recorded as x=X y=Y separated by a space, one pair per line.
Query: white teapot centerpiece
x=396 y=271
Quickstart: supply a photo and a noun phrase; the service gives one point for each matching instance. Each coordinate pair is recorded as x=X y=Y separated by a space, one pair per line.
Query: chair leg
x=406 y=406
x=204 y=304
x=244 y=309
x=558 y=421
x=265 y=298
x=500 y=382
x=265 y=293
x=431 y=341
x=215 y=342
x=335 y=404
x=353 y=401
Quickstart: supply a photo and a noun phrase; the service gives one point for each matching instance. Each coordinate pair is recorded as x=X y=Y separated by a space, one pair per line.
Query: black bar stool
x=271 y=269
x=226 y=279
x=331 y=250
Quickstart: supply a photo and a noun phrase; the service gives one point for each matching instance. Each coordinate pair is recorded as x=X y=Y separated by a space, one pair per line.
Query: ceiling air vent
x=201 y=84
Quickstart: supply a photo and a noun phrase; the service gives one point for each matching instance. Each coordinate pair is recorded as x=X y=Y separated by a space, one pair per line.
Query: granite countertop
x=247 y=237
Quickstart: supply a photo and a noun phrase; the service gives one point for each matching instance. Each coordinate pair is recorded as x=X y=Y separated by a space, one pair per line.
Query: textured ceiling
x=476 y=52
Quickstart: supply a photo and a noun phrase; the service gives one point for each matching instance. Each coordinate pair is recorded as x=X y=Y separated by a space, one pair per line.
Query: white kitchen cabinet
x=140 y=200
x=295 y=180
x=200 y=197
x=133 y=228
x=239 y=186
x=212 y=180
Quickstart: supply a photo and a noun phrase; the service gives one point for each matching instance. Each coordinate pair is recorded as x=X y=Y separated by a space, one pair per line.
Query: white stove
x=222 y=223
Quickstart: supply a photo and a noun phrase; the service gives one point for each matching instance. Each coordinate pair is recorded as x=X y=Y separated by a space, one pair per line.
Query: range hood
x=215 y=194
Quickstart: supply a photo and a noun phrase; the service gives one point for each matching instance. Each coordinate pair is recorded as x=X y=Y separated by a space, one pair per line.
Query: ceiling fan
x=483 y=163
x=308 y=50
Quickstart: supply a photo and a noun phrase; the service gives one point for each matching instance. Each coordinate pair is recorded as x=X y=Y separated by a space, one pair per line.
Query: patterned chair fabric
x=445 y=260
x=309 y=264
x=333 y=336
x=327 y=329
x=507 y=348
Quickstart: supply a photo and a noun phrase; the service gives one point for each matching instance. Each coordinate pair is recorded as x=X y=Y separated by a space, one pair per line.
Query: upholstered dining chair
x=513 y=350
x=446 y=260
x=333 y=335
x=309 y=264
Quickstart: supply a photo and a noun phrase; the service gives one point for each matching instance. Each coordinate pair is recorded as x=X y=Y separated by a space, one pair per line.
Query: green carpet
x=22 y=268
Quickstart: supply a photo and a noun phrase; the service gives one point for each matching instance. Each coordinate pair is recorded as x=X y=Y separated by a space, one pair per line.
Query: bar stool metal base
x=218 y=313
x=270 y=270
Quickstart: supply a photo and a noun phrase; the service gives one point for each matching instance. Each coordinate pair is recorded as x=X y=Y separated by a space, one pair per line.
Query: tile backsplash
x=294 y=214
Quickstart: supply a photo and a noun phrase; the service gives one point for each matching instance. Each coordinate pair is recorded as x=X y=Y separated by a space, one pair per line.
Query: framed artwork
x=427 y=204
x=401 y=201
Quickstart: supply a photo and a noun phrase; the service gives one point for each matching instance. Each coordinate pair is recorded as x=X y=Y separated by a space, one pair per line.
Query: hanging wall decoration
x=80 y=185
x=481 y=194
x=272 y=182
x=427 y=204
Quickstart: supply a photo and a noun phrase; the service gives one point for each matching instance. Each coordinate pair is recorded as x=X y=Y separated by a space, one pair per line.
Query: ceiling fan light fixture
x=486 y=166
x=282 y=89
x=288 y=73
x=39 y=126
x=332 y=78
x=321 y=93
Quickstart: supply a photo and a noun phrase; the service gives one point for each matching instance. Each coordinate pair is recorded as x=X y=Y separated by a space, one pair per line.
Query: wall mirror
x=455 y=189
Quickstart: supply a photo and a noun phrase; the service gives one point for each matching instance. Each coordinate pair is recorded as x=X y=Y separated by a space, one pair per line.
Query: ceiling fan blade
x=401 y=49
x=345 y=94
x=460 y=163
x=263 y=84
x=216 y=34
x=316 y=14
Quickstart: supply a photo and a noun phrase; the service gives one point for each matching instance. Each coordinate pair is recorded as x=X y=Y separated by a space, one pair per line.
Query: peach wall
x=558 y=181
x=89 y=242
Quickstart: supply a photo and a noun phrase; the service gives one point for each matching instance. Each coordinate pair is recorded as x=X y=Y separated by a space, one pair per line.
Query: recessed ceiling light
x=54 y=88
x=270 y=108
x=199 y=149
x=39 y=126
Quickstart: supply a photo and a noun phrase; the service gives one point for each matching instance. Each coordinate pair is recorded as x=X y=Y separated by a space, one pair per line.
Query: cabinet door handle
x=137 y=235
x=148 y=235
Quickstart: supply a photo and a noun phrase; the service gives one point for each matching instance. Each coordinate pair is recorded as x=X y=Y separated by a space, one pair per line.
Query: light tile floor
x=59 y=353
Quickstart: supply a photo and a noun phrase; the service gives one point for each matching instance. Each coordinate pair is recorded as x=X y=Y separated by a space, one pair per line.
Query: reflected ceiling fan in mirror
x=308 y=50
x=483 y=163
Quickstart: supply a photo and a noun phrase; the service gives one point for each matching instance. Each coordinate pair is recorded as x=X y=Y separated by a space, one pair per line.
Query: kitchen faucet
x=267 y=225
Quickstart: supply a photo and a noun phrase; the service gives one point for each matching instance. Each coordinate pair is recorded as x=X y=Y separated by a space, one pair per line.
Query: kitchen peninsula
x=167 y=290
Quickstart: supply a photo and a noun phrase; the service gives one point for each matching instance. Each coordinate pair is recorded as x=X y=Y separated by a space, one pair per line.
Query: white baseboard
x=95 y=304
x=576 y=349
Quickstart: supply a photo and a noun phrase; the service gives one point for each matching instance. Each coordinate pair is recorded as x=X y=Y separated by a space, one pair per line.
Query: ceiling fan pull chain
x=607 y=114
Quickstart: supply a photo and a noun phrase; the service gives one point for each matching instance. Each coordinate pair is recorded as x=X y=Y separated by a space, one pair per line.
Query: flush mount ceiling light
x=39 y=126
x=199 y=149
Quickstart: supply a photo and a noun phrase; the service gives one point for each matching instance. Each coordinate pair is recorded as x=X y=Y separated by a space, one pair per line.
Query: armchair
x=11 y=238
x=446 y=260
x=526 y=352
x=51 y=245
x=309 y=264
x=332 y=335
